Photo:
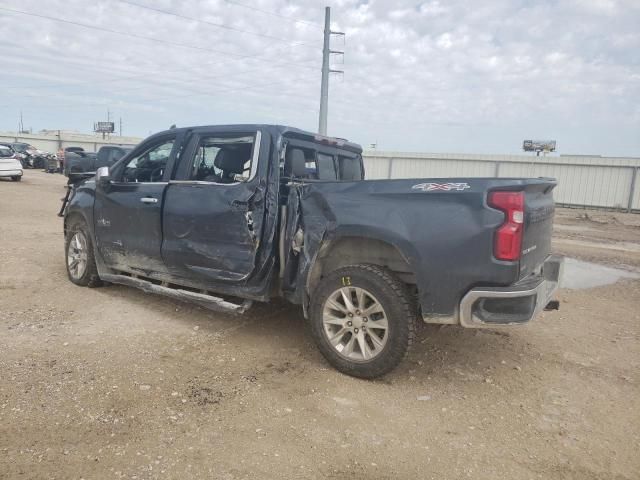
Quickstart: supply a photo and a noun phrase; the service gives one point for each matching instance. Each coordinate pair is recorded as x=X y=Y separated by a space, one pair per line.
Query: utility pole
x=120 y=126
x=326 y=70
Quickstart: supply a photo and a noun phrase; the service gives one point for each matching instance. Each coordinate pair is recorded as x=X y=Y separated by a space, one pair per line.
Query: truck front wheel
x=363 y=320
x=80 y=260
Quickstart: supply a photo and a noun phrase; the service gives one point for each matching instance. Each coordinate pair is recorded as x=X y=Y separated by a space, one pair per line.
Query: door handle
x=149 y=200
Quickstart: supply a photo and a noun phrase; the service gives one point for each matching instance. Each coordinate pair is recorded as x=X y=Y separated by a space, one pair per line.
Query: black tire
x=398 y=304
x=90 y=277
x=17 y=178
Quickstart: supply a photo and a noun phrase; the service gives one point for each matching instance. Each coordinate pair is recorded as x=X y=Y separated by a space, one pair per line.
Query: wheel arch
x=354 y=249
x=72 y=217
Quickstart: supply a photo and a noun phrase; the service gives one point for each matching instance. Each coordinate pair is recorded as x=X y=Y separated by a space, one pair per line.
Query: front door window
x=150 y=165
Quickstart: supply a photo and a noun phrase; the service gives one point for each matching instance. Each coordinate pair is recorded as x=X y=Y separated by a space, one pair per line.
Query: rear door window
x=223 y=158
x=349 y=168
x=326 y=169
x=328 y=164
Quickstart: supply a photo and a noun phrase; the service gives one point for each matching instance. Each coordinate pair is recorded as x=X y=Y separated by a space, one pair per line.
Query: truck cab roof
x=277 y=130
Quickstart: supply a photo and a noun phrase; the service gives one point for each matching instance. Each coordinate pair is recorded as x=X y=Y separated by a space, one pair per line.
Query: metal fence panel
x=582 y=180
x=434 y=168
x=635 y=197
x=376 y=168
x=580 y=185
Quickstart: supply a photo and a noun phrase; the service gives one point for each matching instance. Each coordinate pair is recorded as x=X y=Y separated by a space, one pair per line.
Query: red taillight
x=508 y=240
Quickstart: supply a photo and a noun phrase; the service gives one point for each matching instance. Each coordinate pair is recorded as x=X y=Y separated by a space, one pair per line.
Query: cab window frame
x=119 y=167
x=183 y=168
x=314 y=149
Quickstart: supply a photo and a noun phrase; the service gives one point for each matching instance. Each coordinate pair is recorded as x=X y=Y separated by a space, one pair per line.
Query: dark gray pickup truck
x=226 y=215
x=79 y=161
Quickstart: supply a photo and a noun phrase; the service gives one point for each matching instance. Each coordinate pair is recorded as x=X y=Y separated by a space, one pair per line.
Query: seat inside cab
x=311 y=164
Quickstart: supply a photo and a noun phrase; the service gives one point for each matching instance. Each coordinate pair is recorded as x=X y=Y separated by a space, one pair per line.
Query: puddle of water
x=579 y=275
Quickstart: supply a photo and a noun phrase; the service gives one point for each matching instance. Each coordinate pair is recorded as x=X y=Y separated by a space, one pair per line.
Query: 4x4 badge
x=442 y=187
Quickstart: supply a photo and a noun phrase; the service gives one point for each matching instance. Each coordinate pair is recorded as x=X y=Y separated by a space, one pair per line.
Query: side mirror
x=103 y=176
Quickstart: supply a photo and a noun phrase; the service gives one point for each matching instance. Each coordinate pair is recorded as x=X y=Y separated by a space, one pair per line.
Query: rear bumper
x=11 y=173
x=514 y=305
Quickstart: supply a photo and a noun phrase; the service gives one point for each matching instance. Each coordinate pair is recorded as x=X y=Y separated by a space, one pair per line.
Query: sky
x=460 y=76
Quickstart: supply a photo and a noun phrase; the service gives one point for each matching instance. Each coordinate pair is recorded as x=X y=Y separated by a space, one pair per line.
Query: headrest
x=231 y=161
x=294 y=163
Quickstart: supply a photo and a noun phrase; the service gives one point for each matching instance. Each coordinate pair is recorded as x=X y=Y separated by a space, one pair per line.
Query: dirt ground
x=115 y=383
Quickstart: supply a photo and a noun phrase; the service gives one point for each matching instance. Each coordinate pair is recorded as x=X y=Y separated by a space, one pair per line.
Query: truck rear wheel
x=363 y=320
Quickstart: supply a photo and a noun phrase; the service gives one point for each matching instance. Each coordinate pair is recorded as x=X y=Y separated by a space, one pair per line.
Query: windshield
x=5 y=152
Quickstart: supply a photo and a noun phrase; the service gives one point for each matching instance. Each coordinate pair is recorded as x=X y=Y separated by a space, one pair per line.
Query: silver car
x=10 y=166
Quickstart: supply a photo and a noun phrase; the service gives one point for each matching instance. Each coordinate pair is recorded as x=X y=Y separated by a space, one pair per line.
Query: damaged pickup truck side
x=227 y=215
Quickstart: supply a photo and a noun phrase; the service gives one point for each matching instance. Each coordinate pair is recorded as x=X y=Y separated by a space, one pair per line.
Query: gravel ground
x=115 y=383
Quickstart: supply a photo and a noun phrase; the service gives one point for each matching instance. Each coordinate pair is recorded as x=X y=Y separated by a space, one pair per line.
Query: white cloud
x=431 y=9
x=444 y=41
x=458 y=75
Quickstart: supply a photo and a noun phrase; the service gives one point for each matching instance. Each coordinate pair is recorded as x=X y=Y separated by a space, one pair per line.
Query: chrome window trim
x=256 y=155
x=138 y=183
x=198 y=182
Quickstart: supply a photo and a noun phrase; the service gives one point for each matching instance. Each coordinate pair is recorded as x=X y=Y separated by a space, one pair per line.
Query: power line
x=161 y=85
x=142 y=37
x=147 y=73
x=206 y=22
x=158 y=99
x=172 y=82
x=208 y=93
x=290 y=19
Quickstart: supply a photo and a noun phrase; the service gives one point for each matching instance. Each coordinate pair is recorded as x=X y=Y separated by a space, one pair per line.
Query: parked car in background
x=79 y=161
x=74 y=149
x=26 y=153
x=30 y=156
x=9 y=146
x=10 y=165
x=23 y=148
x=20 y=155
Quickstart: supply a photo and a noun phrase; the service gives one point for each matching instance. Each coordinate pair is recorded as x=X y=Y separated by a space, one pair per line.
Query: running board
x=207 y=301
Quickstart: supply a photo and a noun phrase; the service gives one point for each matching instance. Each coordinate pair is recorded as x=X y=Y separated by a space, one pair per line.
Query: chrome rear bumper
x=514 y=305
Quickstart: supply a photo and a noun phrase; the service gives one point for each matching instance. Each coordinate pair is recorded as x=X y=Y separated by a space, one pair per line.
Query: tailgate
x=538 y=225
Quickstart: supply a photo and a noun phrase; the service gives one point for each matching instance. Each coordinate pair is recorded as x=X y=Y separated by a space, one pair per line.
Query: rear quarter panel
x=446 y=236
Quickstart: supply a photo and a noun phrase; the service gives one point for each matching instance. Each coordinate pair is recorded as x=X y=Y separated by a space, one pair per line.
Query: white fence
x=51 y=141
x=584 y=181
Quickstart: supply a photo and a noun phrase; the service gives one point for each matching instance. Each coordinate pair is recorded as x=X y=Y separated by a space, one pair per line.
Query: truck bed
x=443 y=227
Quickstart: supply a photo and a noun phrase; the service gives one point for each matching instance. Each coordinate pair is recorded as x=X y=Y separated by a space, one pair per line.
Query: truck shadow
x=454 y=353
x=439 y=352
